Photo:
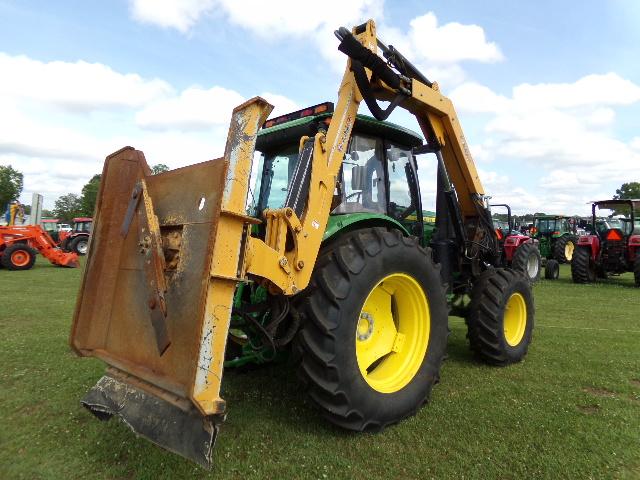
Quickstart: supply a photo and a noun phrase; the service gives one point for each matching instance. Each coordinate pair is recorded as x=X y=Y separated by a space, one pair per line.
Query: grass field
x=570 y=410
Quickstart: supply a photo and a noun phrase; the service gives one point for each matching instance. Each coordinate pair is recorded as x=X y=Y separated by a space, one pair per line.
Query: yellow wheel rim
x=568 y=250
x=515 y=319
x=392 y=333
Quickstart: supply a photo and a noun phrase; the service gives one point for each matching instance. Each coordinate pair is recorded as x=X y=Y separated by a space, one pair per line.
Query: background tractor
x=519 y=251
x=557 y=237
x=613 y=246
x=332 y=263
x=19 y=246
x=77 y=239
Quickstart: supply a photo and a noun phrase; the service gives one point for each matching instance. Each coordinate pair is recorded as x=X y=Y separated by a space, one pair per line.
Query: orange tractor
x=20 y=244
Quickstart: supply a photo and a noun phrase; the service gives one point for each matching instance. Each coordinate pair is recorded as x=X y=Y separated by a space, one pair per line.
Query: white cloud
x=566 y=131
x=196 y=108
x=590 y=91
x=98 y=110
x=475 y=98
x=178 y=14
x=452 y=42
x=77 y=86
x=292 y=17
x=436 y=49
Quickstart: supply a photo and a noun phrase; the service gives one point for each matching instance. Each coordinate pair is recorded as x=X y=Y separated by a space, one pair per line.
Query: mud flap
x=185 y=432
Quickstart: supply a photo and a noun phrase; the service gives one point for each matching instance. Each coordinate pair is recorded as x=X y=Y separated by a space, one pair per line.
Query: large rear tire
x=501 y=316
x=374 y=331
x=583 y=269
x=18 y=257
x=565 y=248
x=80 y=245
x=636 y=269
x=527 y=260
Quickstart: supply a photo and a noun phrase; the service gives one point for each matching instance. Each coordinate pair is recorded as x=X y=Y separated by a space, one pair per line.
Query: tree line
x=72 y=205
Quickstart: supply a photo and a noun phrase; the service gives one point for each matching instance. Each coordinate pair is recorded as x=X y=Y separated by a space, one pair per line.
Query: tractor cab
x=377 y=184
x=51 y=226
x=551 y=226
x=82 y=225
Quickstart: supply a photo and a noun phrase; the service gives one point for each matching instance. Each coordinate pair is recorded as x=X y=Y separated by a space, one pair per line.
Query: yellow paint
x=227 y=260
x=515 y=319
x=392 y=333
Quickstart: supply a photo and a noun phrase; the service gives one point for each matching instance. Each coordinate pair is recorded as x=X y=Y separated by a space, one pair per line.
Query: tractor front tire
x=18 y=257
x=552 y=269
x=501 y=316
x=374 y=329
x=583 y=269
x=527 y=260
x=79 y=245
x=636 y=269
x=564 y=248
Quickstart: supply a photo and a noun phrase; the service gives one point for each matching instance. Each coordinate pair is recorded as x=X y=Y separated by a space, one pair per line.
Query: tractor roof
x=620 y=201
x=291 y=127
x=555 y=217
x=82 y=219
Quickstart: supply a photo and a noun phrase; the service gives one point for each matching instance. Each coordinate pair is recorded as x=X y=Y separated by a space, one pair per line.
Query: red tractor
x=77 y=240
x=613 y=244
x=20 y=244
x=520 y=252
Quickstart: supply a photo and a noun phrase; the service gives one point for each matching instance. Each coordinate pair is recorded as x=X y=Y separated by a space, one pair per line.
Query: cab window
x=362 y=179
x=399 y=170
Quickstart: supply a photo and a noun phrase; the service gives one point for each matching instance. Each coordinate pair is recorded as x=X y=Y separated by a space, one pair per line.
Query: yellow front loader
x=179 y=271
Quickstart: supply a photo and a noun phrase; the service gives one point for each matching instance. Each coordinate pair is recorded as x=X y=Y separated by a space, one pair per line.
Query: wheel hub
x=532 y=266
x=20 y=258
x=390 y=349
x=568 y=250
x=365 y=326
x=515 y=319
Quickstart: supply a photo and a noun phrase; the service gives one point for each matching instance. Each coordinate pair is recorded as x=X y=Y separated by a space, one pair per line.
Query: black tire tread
x=580 y=265
x=551 y=270
x=636 y=269
x=485 y=319
x=558 y=248
x=520 y=260
x=336 y=268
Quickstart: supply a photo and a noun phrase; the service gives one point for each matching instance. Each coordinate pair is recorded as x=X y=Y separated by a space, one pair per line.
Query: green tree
x=67 y=207
x=11 y=182
x=159 y=168
x=628 y=190
x=89 y=195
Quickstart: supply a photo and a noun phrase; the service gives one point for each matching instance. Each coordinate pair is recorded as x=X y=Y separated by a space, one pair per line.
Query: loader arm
x=303 y=222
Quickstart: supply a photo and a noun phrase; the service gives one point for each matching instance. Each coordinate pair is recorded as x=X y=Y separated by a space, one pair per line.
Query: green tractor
x=557 y=237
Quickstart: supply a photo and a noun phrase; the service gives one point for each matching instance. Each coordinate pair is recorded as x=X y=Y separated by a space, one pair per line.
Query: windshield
x=545 y=225
x=611 y=215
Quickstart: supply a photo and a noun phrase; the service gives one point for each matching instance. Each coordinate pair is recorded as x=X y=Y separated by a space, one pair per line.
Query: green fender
x=351 y=221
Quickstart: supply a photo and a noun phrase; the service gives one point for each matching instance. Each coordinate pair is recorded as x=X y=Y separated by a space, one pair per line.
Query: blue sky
x=548 y=92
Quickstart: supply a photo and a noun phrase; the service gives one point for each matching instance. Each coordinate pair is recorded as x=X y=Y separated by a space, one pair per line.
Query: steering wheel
x=353 y=195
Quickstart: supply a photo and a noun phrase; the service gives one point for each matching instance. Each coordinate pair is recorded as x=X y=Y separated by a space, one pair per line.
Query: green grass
x=570 y=410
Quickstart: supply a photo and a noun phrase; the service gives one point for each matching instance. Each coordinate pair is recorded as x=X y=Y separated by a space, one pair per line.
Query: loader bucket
x=65 y=259
x=167 y=252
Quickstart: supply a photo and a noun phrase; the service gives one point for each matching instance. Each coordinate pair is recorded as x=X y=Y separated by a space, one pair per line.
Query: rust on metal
x=169 y=248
